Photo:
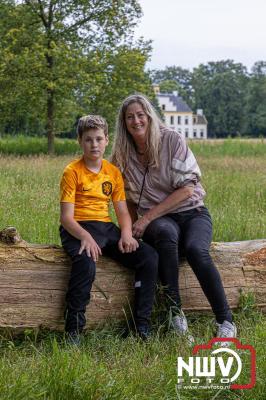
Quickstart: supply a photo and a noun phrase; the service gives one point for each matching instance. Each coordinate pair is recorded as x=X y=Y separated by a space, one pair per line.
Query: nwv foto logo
x=221 y=366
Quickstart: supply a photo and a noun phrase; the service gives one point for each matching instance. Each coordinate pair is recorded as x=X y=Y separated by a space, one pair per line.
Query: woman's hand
x=168 y=205
x=139 y=227
x=91 y=247
x=127 y=243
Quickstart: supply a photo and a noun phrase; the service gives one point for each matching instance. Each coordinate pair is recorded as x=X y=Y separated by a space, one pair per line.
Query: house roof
x=200 y=119
x=177 y=101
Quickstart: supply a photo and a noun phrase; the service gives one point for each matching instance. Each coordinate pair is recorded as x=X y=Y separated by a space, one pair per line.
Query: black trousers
x=144 y=261
x=190 y=233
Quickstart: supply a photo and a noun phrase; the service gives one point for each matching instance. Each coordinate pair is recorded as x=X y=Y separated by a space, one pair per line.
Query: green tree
x=120 y=73
x=255 y=110
x=60 y=56
x=219 y=89
x=174 y=78
x=168 y=86
x=20 y=70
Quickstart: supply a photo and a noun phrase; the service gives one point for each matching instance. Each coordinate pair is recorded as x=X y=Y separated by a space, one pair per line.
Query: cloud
x=187 y=33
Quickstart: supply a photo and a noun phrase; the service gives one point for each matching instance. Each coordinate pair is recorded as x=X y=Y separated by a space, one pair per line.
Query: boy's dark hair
x=91 y=122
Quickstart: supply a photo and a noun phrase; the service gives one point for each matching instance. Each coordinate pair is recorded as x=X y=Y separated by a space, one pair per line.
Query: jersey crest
x=107 y=188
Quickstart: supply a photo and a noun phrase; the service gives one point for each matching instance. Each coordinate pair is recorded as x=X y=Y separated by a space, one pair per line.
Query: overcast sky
x=190 y=32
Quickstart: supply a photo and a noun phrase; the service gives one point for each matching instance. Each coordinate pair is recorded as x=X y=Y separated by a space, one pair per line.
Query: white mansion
x=179 y=116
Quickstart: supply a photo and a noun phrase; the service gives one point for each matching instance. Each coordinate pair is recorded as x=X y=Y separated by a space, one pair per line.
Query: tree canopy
x=60 y=59
x=233 y=100
x=255 y=107
x=175 y=78
x=219 y=88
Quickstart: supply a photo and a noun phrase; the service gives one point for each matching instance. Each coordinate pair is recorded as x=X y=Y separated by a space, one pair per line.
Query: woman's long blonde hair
x=124 y=143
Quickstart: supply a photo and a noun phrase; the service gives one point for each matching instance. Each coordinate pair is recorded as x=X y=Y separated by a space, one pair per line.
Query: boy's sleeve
x=119 y=189
x=68 y=186
x=184 y=167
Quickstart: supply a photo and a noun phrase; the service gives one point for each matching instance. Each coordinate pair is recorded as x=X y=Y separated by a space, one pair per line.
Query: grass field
x=21 y=145
x=25 y=145
x=235 y=186
x=40 y=366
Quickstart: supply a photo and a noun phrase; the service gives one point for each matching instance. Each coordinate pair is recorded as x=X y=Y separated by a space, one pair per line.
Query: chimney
x=156 y=88
x=200 y=112
x=175 y=93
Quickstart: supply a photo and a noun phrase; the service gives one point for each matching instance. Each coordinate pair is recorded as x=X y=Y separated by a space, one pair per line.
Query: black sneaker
x=143 y=332
x=73 y=339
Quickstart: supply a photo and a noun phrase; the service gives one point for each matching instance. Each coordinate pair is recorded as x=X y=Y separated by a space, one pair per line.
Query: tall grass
x=235 y=186
x=108 y=367
x=229 y=147
x=21 y=145
x=25 y=145
x=236 y=196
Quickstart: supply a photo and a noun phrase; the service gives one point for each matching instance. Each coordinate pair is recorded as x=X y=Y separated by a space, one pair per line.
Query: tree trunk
x=34 y=278
x=50 y=120
x=50 y=99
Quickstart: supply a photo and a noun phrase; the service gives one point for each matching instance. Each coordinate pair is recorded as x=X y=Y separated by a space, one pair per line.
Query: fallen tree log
x=34 y=278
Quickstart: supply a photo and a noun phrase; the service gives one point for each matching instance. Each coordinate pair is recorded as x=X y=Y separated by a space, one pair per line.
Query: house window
x=163 y=106
x=179 y=120
x=172 y=120
x=186 y=133
x=186 y=120
x=195 y=133
x=201 y=133
x=194 y=120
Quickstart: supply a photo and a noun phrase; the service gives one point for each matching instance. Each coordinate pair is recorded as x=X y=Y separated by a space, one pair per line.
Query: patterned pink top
x=178 y=167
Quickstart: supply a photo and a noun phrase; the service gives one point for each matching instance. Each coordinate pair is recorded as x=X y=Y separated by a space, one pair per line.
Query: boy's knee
x=84 y=266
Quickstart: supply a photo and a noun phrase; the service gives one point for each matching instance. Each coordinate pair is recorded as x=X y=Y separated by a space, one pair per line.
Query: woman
x=165 y=199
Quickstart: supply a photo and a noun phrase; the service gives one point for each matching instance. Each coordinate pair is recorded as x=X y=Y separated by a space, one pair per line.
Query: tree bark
x=50 y=120
x=50 y=90
x=34 y=278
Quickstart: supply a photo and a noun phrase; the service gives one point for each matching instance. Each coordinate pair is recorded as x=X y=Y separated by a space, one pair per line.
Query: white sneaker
x=179 y=323
x=180 y=326
x=226 y=330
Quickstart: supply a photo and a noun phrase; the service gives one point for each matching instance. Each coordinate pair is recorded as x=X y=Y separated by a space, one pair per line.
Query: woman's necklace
x=142 y=156
x=142 y=151
x=143 y=160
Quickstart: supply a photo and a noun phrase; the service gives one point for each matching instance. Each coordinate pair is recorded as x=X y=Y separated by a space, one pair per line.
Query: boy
x=87 y=186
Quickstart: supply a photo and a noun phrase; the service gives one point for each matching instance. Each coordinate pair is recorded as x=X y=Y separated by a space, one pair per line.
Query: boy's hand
x=91 y=247
x=127 y=243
